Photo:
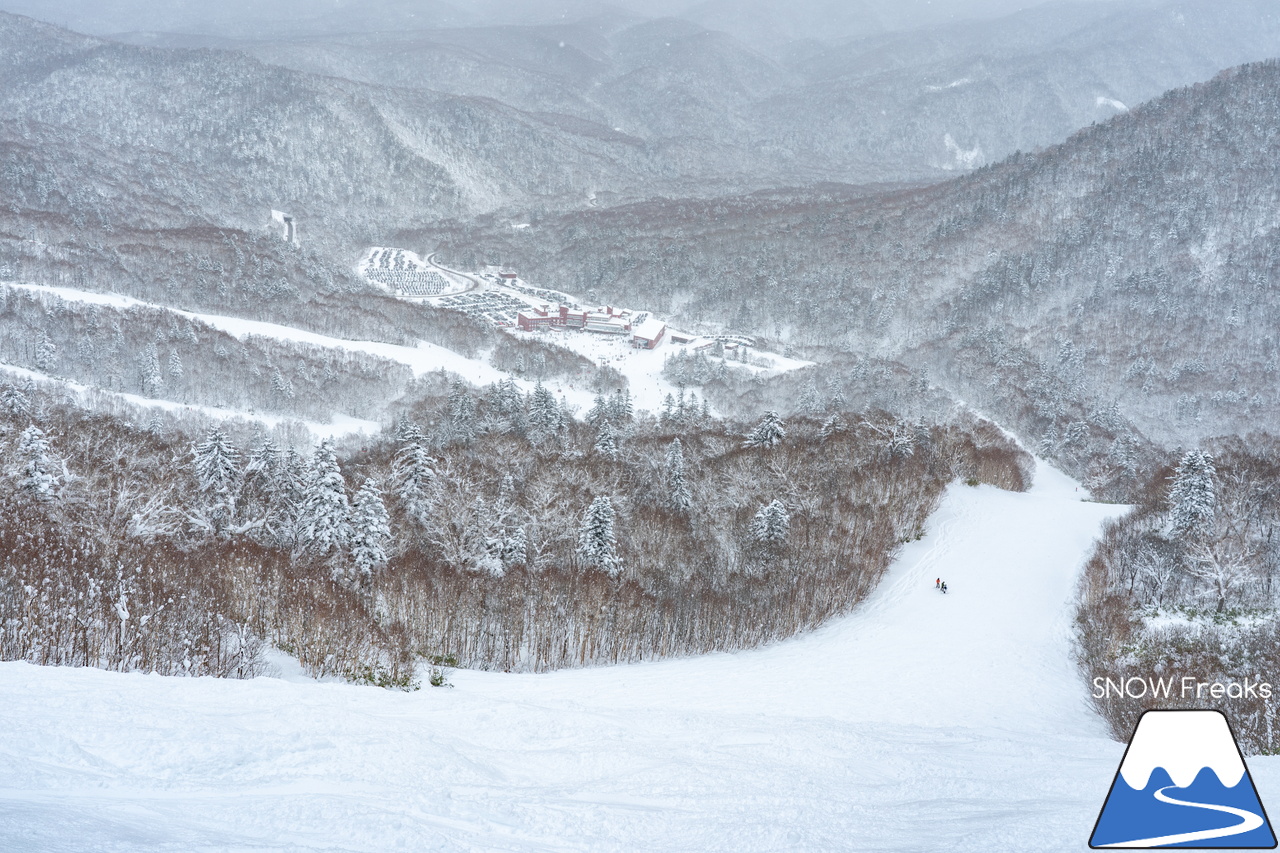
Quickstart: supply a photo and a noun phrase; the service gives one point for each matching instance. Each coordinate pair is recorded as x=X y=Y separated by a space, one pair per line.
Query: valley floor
x=922 y=722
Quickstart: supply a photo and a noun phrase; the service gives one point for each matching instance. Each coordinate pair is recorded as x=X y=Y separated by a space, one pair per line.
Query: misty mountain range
x=1117 y=282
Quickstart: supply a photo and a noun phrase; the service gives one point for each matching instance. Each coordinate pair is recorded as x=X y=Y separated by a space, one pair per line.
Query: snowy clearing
x=919 y=723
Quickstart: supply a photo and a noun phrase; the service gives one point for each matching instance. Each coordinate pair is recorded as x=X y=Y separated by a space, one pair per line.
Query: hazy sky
x=753 y=20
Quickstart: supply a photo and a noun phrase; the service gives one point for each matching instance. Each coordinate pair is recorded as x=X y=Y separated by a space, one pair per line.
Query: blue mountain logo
x=1183 y=783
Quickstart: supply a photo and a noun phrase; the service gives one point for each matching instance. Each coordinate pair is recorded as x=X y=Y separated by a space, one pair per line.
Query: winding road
x=1248 y=822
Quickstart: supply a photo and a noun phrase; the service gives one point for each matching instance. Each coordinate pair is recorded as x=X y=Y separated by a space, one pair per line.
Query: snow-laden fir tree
x=217 y=472
x=598 y=412
x=462 y=414
x=621 y=409
x=39 y=472
x=413 y=481
x=287 y=496
x=678 y=497
x=506 y=494
x=771 y=525
x=325 y=523
x=606 y=442
x=46 y=353
x=152 y=376
x=835 y=395
x=370 y=533
x=596 y=543
x=833 y=425
x=14 y=401
x=507 y=397
x=515 y=548
x=281 y=387
x=768 y=433
x=407 y=432
x=1193 y=499
x=175 y=365
x=810 y=398
x=216 y=462
x=544 y=413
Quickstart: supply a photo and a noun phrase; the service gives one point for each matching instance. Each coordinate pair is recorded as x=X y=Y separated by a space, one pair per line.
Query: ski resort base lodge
x=646 y=332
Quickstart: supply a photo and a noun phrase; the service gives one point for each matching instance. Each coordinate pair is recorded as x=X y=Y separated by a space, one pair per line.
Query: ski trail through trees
x=995 y=649
x=918 y=722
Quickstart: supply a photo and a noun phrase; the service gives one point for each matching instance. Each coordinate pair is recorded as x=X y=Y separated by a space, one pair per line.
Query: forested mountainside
x=503 y=534
x=1126 y=273
x=913 y=105
x=177 y=138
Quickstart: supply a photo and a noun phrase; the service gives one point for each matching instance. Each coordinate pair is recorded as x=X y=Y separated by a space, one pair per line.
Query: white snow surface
x=1102 y=101
x=920 y=722
x=1183 y=743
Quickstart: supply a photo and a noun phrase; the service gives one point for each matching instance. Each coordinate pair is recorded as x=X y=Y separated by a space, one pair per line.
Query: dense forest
x=490 y=529
x=1187 y=585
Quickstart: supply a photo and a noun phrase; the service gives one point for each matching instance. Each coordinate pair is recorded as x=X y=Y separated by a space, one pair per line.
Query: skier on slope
x=944 y=587
x=937 y=584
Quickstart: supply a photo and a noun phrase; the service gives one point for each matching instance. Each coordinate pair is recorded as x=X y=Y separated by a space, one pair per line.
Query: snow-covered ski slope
x=918 y=723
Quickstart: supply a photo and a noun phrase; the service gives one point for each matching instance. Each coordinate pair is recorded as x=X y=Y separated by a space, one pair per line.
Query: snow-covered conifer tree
x=835 y=395
x=833 y=425
x=668 y=409
x=515 y=548
x=621 y=409
x=462 y=414
x=544 y=413
x=281 y=387
x=769 y=432
x=38 y=470
x=216 y=463
x=14 y=401
x=1193 y=499
x=325 y=524
x=598 y=412
x=175 y=365
x=606 y=443
x=596 y=543
x=370 y=532
x=217 y=472
x=771 y=525
x=414 y=481
x=810 y=399
x=46 y=353
x=152 y=377
x=678 y=497
x=407 y=432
